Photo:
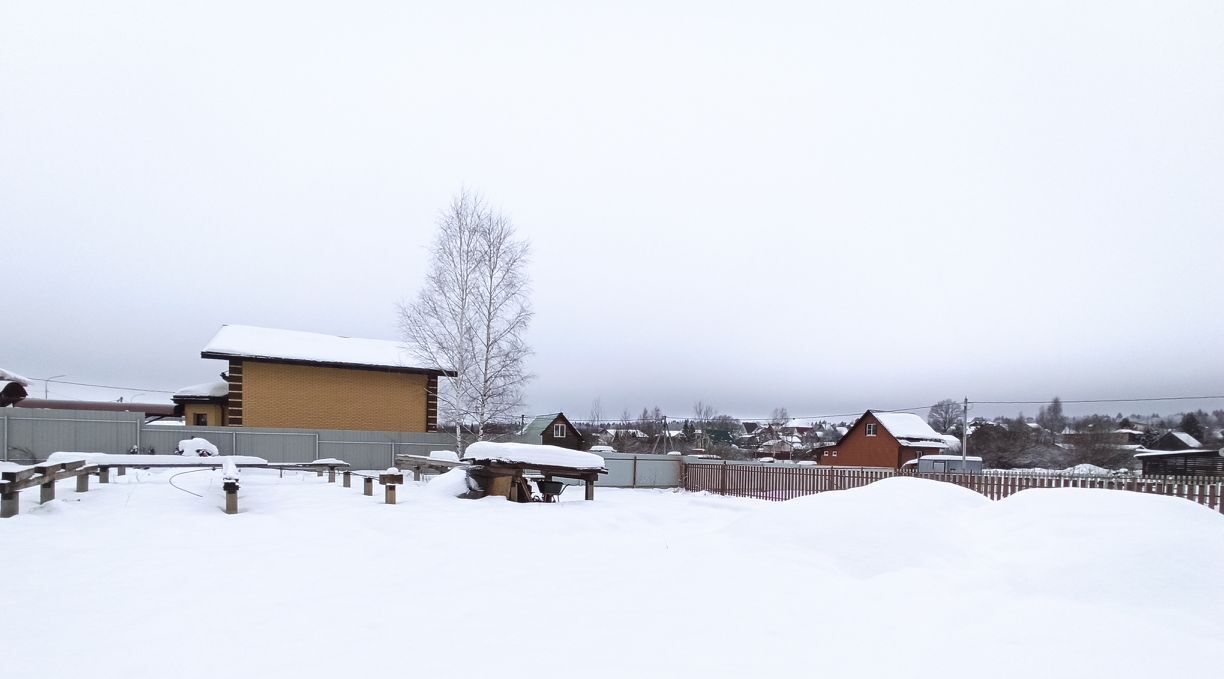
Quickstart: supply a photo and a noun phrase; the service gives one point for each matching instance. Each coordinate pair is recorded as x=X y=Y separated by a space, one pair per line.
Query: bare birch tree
x=471 y=314
x=502 y=314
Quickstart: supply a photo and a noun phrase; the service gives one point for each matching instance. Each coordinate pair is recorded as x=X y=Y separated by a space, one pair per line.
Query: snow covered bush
x=197 y=447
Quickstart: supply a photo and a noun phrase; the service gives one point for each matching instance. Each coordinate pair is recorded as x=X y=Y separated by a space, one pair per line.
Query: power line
x=102 y=386
x=1104 y=400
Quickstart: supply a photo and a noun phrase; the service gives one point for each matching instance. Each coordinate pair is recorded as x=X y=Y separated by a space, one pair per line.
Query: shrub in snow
x=197 y=447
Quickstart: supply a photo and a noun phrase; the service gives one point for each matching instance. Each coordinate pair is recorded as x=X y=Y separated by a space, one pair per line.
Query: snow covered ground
x=903 y=578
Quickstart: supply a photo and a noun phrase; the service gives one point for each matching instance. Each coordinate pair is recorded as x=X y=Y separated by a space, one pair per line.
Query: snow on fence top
x=7 y=376
x=248 y=341
x=529 y=454
x=207 y=389
x=108 y=459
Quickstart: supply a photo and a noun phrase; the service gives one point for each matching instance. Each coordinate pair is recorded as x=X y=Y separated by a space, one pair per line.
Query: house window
x=871 y=429
x=558 y=431
x=200 y=420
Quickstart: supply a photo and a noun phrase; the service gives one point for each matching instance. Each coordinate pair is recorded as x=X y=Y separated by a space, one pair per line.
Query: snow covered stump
x=390 y=479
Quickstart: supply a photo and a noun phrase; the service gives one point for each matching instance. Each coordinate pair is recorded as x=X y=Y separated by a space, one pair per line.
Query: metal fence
x=29 y=435
x=773 y=482
x=628 y=470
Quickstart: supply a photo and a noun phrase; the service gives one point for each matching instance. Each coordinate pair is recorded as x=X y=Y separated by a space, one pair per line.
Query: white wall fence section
x=29 y=435
x=627 y=470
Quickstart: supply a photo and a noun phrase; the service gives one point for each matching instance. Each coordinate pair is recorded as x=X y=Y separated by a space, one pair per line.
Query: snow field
x=904 y=578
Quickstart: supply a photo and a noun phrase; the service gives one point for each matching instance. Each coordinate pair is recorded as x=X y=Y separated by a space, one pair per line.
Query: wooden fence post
x=9 y=504
x=368 y=488
x=82 y=484
x=104 y=474
x=348 y=479
x=46 y=491
x=231 y=496
x=331 y=474
x=722 y=488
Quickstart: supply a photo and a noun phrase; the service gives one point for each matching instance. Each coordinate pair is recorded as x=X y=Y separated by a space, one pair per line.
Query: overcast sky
x=823 y=206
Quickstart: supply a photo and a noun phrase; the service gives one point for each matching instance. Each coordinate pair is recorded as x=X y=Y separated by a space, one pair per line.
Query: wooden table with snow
x=499 y=468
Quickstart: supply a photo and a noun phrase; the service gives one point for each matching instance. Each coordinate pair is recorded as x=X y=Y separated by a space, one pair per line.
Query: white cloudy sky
x=826 y=206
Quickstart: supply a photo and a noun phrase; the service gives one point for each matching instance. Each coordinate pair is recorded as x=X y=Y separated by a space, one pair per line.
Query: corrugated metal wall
x=31 y=434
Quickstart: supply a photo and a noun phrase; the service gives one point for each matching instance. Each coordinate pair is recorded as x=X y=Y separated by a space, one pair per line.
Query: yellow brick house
x=305 y=380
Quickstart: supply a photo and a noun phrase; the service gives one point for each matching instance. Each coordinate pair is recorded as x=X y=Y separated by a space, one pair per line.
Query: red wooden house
x=884 y=439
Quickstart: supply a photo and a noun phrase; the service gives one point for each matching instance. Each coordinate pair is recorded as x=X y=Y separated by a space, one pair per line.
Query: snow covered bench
x=499 y=468
x=43 y=475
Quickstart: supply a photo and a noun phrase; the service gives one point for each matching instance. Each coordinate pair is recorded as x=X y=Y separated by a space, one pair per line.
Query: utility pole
x=47 y=382
x=965 y=434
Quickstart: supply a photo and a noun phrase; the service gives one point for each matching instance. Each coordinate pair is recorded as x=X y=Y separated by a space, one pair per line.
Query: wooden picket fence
x=783 y=482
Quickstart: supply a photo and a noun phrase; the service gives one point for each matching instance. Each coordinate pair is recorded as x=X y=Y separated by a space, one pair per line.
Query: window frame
x=196 y=419
x=560 y=427
x=872 y=429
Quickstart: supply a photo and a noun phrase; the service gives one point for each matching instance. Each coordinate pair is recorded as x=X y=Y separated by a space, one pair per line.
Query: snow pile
x=867 y=531
x=444 y=455
x=451 y=484
x=229 y=470
x=329 y=460
x=527 y=453
x=197 y=447
x=9 y=376
x=1086 y=469
x=206 y=389
x=903 y=578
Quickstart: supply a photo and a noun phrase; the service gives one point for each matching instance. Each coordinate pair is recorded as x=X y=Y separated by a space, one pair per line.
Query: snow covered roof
x=909 y=429
x=798 y=423
x=1186 y=439
x=246 y=341
x=632 y=433
x=529 y=454
x=205 y=390
x=942 y=458
x=9 y=376
x=1144 y=452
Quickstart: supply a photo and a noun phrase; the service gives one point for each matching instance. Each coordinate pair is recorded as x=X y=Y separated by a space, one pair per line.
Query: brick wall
x=313 y=397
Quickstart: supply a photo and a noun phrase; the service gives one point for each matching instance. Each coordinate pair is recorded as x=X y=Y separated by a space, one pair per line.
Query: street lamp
x=47 y=381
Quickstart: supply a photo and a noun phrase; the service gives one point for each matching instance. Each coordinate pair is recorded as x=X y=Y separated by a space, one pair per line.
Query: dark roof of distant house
x=540 y=423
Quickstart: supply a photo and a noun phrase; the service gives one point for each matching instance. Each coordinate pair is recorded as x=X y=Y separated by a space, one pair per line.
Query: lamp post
x=46 y=382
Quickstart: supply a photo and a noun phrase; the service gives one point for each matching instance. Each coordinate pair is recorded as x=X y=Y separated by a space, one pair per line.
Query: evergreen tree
x=1191 y=425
